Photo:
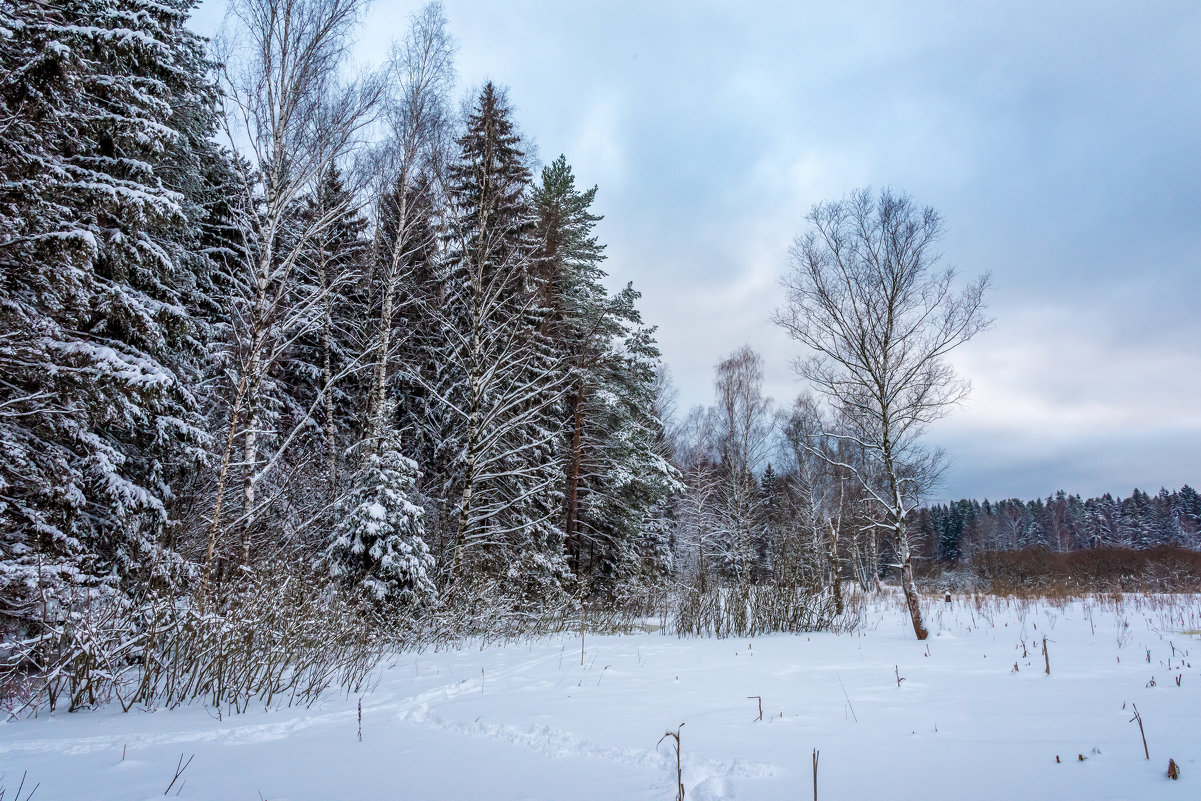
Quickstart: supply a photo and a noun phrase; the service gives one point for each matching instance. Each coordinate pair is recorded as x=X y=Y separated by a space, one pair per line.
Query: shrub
x=275 y=636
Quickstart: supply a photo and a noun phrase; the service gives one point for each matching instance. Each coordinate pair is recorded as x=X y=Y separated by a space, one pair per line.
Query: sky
x=1061 y=142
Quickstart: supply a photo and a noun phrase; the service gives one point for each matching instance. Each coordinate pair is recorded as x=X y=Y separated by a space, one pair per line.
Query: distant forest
x=1061 y=522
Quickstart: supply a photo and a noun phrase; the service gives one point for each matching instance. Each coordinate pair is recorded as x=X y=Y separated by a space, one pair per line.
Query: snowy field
x=530 y=722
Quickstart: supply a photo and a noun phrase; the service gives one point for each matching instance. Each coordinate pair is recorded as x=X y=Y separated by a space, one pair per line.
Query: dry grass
x=1041 y=573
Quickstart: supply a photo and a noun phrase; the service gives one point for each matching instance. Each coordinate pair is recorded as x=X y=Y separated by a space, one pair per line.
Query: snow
x=529 y=721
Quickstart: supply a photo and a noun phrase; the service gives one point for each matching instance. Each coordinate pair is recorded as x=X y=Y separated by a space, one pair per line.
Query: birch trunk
x=832 y=556
x=573 y=476
x=327 y=381
x=379 y=397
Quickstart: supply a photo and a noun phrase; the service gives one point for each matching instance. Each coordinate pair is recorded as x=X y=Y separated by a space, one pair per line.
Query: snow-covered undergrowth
x=975 y=716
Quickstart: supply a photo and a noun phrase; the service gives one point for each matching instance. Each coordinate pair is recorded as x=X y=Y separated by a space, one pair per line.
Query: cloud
x=1058 y=140
x=598 y=147
x=1061 y=400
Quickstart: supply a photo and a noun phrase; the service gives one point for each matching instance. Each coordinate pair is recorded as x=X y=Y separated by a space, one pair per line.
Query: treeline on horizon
x=957 y=531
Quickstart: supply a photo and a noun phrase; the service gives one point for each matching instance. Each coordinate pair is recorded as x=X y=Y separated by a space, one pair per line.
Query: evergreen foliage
x=101 y=100
x=1061 y=523
x=614 y=473
x=503 y=378
x=378 y=540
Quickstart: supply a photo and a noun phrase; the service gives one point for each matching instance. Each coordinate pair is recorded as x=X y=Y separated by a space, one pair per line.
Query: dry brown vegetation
x=1039 y=571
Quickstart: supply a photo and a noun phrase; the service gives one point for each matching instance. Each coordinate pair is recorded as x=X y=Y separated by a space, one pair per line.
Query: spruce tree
x=769 y=526
x=378 y=542
x=324 y=362
x=502 y=378
x=103 y=102
x=1190 y=506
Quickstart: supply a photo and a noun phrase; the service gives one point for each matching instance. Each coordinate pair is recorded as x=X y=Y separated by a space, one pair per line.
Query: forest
x=300 y=363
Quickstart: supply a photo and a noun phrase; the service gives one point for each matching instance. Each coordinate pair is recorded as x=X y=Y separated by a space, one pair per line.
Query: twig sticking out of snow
x=758 y=698
x=816 y=754
x=179 y=769
x=675 y=735
x=21 y=787
x=849 y=705
x=1139 y=718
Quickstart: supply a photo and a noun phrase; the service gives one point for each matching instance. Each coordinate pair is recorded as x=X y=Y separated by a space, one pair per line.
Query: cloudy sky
x=1060 y=141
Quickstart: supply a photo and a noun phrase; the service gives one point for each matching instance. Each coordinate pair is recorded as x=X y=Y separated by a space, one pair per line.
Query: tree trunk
x=250 y=454
x=379 y=390
x=835 y=581
x=327 y=380
x=470 y=455
x=254 y=381
x=465 y=503
x=573 y=477
x=379 y=394
x=897 y=521
x=908 y=585
x=222 y=475
x=873 y=563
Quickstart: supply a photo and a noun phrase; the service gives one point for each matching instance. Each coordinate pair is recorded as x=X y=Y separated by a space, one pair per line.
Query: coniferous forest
x=299 y=363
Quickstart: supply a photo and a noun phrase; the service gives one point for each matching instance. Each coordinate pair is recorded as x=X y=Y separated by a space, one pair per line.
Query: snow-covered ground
x=530 y=722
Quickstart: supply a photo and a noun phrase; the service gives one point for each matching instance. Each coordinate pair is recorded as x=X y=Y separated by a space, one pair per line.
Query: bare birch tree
x=816 y=496
x=293 y=118
x=744 y=424
x=699 y=527
x=419 y=74
x=867 y=298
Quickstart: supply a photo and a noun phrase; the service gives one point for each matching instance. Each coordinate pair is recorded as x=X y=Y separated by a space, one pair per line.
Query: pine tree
x=568 y=263
x=615 y=473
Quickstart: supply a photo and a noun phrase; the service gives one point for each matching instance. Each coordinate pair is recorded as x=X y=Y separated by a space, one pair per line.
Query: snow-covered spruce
x=103 y=104
x=378 y=540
